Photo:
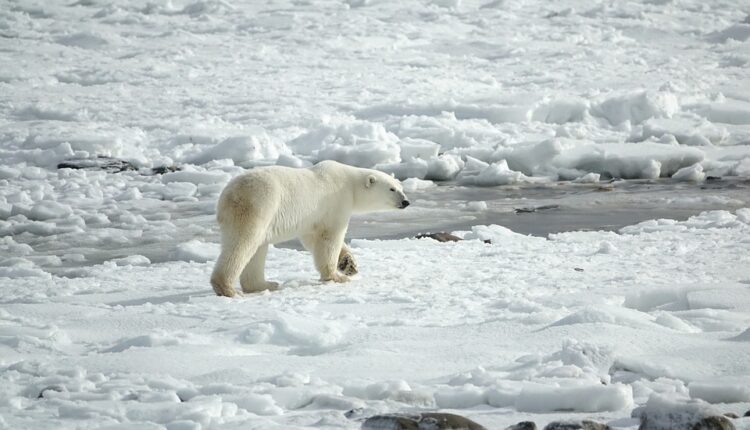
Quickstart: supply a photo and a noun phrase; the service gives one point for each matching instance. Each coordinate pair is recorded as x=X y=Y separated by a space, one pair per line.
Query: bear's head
x=379 y=192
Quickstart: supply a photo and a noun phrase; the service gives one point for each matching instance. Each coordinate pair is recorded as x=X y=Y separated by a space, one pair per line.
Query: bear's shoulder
x=326 y=165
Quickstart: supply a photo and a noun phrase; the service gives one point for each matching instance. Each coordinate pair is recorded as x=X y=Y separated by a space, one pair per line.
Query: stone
x=671 y=411
x=51 y=388
x=576 y=425
x=423 y=421
x=108 y=164
x=440 y=237
x=716 y=422
x=523 y=425
x=536 y=209
x=164 y=169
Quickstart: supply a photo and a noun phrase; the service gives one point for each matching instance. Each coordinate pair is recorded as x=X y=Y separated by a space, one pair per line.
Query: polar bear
x=272 y=204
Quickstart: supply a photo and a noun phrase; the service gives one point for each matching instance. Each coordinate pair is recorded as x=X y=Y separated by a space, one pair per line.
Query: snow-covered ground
x=107 y=317
x=521 y=328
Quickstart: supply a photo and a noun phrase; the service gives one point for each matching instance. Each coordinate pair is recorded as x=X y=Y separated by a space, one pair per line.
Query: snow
x=136 y=342
x=636 y=110
x=595 y=398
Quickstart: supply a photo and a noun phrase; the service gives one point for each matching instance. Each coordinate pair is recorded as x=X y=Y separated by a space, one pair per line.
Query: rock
x=440 y=237
x=164 y=169
x=424 y=421
x=536 y=209
x=731 y=415
x=747 y=414
x=108 y=164
x=523 y=425
x=51 y=388
x=716 y=422
x=576 y=425
x=671 y=411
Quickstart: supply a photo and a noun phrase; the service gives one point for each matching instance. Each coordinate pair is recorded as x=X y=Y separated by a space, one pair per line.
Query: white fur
x=272 y=204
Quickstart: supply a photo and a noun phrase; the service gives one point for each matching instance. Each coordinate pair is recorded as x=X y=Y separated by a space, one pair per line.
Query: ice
x=692 y=173
x=143 y=341
x=196 y=250
x=595 y=398
x=721 y=391
x=737 y=32
x=522 y=127
x=414 y=184
x=728 y=112
x=636 y=107
x=608 y=315
x=241 y=149
x=418 y=148
x=359 y=143
x=305 y=336
x=444 y=168
x=196 y=177
x=86 y=40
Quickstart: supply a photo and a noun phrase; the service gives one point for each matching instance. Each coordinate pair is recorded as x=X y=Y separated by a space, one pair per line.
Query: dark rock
x=164 y=169
x=578 y=269
x=536 y=209
x=576 y=425
x=667 y=412
x=713 y=178
x=523 y=425
x=440 y=237
x=731 y=415
x=108 y=164
x=53 y=388
x=424 y=421
x=716 y=422
x=747 y=414
x=354 y=413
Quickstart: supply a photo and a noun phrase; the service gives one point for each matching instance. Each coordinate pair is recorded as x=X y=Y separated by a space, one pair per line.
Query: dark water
x=541 y=209
x=535 y=209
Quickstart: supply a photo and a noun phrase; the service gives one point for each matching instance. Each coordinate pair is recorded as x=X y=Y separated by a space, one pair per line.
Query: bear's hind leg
x=253 y=277
x=236 y=251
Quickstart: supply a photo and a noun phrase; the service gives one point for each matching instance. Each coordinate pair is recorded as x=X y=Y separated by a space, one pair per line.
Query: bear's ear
x=370 y=180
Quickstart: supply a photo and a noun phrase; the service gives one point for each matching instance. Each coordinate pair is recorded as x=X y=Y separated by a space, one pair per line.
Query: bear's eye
x=393 y=189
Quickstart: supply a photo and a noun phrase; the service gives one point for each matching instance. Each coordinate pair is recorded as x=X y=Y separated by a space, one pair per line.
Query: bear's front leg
x=325 y=246
x=347 y=264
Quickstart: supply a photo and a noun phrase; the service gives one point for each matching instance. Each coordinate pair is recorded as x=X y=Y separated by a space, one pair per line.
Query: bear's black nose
x=404 y=204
